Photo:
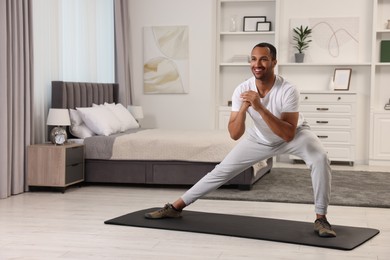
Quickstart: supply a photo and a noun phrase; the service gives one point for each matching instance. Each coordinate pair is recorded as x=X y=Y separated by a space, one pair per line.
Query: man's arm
x=236 y=125
x=285 y=127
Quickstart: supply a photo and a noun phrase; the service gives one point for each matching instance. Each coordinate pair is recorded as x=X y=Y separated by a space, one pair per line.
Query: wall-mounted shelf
x=325 y=64
x=247 y=33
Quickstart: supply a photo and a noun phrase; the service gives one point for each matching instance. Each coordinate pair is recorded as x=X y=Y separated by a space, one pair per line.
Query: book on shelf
x=385 y=51
x=240 y=58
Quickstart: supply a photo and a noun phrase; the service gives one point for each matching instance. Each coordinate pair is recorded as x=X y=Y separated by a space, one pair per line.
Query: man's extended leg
x=246 y=153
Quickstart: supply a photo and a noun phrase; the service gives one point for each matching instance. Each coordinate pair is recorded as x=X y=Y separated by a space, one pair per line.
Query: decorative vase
x=388 y=24
x=233 y=24
x=331 y=84
x=299 y=57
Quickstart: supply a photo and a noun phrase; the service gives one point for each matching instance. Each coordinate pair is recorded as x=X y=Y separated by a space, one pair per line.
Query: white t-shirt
x=283 y=97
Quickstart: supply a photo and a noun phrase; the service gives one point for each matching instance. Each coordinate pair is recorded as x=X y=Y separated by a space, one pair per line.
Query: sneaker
x=168 y=211
x=323 y=228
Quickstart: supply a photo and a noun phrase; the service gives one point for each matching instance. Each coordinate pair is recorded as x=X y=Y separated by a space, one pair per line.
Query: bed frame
x=82 y=94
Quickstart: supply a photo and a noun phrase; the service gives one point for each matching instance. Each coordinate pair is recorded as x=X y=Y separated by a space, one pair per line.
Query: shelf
x=249 y=1
x=381 y=112
x=247 y=33
x=382 y=64
x=234 y=64
x=328 y=92
x=383 y=31
x=324 y=64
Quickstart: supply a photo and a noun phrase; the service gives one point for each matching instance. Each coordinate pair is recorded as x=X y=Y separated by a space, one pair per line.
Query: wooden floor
x=52 y=225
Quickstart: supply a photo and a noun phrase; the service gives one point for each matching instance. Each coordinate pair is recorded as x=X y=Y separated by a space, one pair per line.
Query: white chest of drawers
x=332 y=116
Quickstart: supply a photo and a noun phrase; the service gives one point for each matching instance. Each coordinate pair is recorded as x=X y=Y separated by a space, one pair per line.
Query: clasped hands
x=251 y=98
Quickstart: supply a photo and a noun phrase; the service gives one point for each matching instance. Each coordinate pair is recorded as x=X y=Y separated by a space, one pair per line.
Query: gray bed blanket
x=100 y=147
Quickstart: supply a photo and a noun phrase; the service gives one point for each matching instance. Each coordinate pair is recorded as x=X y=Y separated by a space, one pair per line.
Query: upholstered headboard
x=82 y=94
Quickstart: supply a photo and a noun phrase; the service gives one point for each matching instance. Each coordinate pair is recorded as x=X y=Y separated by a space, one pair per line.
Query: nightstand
x=52 y=165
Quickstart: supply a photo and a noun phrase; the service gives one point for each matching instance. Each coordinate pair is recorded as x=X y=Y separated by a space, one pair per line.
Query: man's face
x=262 y=65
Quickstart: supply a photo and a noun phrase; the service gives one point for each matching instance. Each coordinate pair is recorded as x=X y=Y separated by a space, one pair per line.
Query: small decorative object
x=301 y=37
x=388 y=24
x=341 y=79
x=331 y=84
x=241 y=58
x=250 y=22
x=387 y=106
x=58 y=117
x=233 y=26
x=263 y=26
x=136 y=111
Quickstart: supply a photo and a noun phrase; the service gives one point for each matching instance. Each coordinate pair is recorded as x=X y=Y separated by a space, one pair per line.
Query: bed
x=162 y=166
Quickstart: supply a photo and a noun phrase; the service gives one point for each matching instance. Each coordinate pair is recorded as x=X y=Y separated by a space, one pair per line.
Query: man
x=272 y=103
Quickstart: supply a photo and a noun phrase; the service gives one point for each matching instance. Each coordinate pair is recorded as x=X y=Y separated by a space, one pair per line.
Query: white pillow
x=125 y=117
x=98 y=119
x=77 y=127
x=112 y=119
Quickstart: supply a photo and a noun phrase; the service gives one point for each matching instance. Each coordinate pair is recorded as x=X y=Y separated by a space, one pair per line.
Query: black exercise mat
x=295 y=232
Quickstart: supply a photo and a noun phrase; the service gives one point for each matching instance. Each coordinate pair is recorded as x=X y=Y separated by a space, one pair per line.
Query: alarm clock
x=58 y=135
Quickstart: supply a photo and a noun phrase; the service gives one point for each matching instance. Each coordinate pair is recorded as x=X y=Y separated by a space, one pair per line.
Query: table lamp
x=58 y=117
x=136 y=111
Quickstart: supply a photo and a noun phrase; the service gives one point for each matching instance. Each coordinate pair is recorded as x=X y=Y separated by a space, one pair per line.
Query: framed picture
x=250 y=22
x=341 y=79
x=263 y=26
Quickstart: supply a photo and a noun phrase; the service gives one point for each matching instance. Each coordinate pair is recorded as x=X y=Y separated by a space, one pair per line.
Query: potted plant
x=301 y=37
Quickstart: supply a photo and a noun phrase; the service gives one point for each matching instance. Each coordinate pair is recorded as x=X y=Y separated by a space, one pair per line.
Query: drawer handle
x=322 y=108
x=322 y=136
x=322 y=122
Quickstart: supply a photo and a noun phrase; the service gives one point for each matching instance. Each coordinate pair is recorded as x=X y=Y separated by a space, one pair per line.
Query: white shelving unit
x=370 y=77
x=380 y=88
x=238 y=42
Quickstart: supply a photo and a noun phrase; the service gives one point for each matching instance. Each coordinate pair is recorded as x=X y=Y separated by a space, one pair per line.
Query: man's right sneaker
x=323 y=228
x=168 y=211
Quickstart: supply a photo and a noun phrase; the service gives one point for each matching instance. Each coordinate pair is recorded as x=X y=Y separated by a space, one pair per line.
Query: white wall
x=194 y=110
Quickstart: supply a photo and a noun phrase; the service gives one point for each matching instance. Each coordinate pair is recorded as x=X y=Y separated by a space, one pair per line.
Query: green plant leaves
x=301 y=37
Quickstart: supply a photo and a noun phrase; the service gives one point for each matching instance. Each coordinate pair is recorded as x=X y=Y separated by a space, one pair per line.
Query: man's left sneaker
x=168 y=211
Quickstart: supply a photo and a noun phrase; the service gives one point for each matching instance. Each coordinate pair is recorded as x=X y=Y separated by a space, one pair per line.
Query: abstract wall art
x=334 y=39
x=166 y=60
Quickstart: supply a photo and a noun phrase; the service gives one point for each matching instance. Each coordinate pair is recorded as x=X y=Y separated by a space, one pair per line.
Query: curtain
x=16 y=87
x=122 y=50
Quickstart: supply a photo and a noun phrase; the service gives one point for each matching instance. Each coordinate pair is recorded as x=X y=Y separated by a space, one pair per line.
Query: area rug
x=279 y=230
x=292 y=185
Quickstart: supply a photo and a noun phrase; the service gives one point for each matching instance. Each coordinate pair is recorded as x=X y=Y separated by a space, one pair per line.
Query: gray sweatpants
x=248 y=151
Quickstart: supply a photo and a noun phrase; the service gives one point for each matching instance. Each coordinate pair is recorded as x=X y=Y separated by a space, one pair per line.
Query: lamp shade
x=58 y=117
x=136 y=111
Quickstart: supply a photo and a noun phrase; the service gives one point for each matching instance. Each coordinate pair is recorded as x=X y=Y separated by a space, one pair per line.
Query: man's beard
x=262 y=77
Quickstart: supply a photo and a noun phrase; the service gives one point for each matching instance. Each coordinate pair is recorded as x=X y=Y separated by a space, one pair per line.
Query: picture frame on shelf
x=250 y=22
x=342 y=78
x=263 y=26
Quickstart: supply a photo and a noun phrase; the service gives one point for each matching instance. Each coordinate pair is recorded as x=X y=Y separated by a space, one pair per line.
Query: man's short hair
x=271 y=48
